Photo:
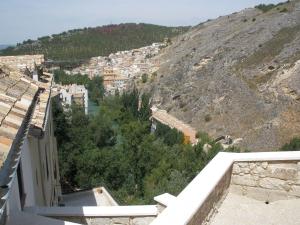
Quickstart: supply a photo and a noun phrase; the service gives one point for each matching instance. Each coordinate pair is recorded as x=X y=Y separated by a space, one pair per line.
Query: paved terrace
x=237 y=209
x=95 y=197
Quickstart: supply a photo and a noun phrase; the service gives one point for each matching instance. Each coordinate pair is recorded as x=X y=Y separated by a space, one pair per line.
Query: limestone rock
x=273 y=183
x=295 y=191
x=235 y=87
x=264 y=165
x=142 y=221
x=121 y=221
x=252 y=166
x=283 y=171
x=236 y=169
x=246 y=180
x=207 y=148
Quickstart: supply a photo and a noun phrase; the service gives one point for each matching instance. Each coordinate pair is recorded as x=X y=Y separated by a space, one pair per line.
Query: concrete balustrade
x=100 y=215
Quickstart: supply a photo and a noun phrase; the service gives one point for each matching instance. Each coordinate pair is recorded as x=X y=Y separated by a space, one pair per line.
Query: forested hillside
x=80 y=44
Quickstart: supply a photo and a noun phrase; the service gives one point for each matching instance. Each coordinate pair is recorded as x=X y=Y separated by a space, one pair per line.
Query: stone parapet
x=266 y=175
x=109 y=220
x=267 y=180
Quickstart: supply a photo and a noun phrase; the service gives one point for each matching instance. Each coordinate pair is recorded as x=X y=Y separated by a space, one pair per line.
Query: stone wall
x=211 y=203
x=109 y=221
x=266 y=181
x=23 y=61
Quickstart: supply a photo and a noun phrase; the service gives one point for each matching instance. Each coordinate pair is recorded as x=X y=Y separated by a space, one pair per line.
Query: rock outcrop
x=237 y=75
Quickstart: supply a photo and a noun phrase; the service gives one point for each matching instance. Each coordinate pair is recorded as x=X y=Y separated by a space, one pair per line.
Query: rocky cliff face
x=238 y=75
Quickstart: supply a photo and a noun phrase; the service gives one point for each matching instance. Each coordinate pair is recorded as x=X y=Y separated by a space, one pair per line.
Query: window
x=36 y=177
x=21 y=186
x=55 y=171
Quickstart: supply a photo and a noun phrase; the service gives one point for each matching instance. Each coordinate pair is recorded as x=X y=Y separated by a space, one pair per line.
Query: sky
x=28 y=19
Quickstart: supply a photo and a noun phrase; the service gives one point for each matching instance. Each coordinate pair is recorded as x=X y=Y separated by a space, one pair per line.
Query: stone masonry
x=109 y=221
x=266 y=181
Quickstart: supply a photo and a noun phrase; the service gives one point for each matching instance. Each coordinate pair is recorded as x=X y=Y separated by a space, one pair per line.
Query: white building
x=74 y=93
x=29 y=174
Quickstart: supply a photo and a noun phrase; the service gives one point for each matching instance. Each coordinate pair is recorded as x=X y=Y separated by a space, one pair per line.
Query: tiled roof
x=165 y=118
x=16 y=95
x=17 y=92
x=22 y=62
x=40 y=112
x=23 y=106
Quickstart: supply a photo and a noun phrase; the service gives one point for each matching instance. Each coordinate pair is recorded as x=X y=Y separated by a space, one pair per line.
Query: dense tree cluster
x=115 y=148
x=95 y=86
x=265 y=8
x=84 y=43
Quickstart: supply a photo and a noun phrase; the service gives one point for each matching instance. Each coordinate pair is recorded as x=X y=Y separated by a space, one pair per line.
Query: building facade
x=78 y=94
x=29 y=174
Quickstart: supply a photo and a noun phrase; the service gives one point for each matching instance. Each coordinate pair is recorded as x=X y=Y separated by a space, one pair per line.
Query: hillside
x=4 y=46
x=237 y=75
x=81 y=44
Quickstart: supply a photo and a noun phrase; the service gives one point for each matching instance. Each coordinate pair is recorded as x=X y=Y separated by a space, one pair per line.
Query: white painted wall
x=67 y=92
x=13 y=203
x=28 y=175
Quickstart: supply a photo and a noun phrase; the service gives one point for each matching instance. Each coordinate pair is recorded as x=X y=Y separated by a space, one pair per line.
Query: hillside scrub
x=293 y=145
x=265 y=8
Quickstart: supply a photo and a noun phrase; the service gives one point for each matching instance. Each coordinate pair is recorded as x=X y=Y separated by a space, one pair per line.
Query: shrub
x=144 y=78
x=204 y=137
x=284 y=10
x=271 y=67
x=293 y=145
x=265 y=8
x=207 y=118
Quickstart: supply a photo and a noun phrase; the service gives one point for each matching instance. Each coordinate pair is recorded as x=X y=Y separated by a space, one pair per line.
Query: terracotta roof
x=23 y=105
x=39 y=116
x=22 y=62
x=16 y=95
x=165 y=118
x=17 y=92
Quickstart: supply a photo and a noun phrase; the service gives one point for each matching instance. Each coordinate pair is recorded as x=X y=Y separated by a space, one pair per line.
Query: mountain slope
x=4 y=46
x=237 y=75
x=82 y=44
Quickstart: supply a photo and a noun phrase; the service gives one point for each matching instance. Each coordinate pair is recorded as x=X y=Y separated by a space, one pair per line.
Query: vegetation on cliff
x=116 y=149
x=293 y=145
x=265 y=8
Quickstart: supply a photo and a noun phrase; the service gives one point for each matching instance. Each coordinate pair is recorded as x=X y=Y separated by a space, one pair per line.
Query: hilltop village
x=121 y=68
